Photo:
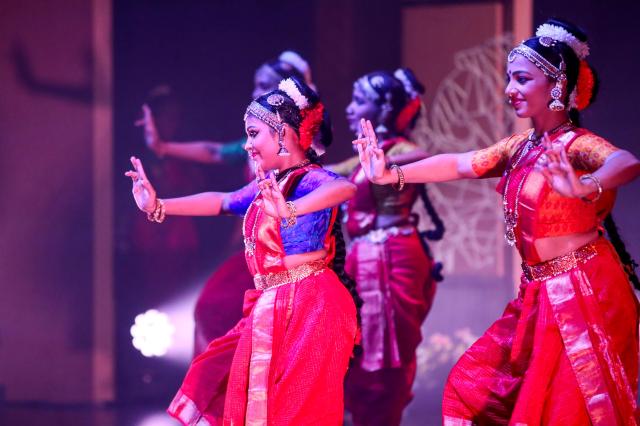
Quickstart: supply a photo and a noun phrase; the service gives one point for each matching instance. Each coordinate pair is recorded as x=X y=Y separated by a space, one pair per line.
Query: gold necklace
x=250 y=240
x=511 y=214
x=286 y=172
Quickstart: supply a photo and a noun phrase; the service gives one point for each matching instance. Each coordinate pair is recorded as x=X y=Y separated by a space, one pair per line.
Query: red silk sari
x=393 y=275
x=284 y=362
x=565 y=351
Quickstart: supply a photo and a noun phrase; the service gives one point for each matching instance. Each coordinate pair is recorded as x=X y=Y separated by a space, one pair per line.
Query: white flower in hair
x=289 y=87
x=558 y=33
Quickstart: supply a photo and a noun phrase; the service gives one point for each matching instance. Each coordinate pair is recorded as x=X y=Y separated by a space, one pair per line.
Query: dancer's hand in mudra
x=151 y=135
x=143 y=192
x=558 y=171
x=274 y=203
x=371 y=156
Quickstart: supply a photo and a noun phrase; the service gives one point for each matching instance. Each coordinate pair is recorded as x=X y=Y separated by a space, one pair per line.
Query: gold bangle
x=398 y=186
x=595 y=180
x=158 y=213
x=293 y=215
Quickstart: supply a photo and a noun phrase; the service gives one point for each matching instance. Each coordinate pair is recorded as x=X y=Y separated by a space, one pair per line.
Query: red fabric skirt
x=219 y=306
x=394 y=280
x=310 y=326
x=565 y=352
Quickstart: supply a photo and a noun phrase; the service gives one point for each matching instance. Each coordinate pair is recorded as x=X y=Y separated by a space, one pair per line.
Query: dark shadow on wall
x=33 y=82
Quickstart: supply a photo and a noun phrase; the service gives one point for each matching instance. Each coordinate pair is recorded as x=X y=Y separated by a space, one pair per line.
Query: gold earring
x=556 y=95
x=283 y=152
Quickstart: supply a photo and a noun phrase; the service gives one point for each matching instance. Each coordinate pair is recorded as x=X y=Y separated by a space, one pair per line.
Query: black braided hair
x=339 y=262
x=290 y=113
x=628 y=263
x=390 y=93
x=346 y=279
x=434 y=234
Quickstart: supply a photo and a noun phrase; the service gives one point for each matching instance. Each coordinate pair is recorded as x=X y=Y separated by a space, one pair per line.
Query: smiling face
x=361 y=107
x=528 y=89
x=262 y=143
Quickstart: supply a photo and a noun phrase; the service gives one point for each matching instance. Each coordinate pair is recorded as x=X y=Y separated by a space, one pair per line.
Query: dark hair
x=628 y=263
x=434 y=234
x=390 y=93
x=408 y=116
x=293 y=116
x=414 y=85
x=559 y=52
x=284 y=69
x=339 y=263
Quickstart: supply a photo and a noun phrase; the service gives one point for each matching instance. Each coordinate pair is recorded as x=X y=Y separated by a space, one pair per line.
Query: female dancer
x=566 y=350
x=285 y=361
x=387 y=257
x=219 y=304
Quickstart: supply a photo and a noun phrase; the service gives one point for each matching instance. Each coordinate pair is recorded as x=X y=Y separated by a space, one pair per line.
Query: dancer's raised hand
x=371 y=156
x=151 y=136
x=274 y=203
x=143 y=192
x=558 y=171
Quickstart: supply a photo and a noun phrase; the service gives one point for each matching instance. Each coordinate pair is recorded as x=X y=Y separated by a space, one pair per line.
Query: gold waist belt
x=380 y=235
x=300 y=272
x=559 y=265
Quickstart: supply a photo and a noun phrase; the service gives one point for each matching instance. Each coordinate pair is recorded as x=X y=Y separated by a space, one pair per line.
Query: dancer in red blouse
x=565 y=352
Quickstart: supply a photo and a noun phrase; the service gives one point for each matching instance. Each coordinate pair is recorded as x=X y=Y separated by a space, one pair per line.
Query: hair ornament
x=408 y=87
x=582 y=94
x=275 y=100
x=272 y=120
x=538 y=60
x=377 y=81
x=407 y=114
x=549 y=33
x=289 y=87
x=364 y=84
x=310 y=125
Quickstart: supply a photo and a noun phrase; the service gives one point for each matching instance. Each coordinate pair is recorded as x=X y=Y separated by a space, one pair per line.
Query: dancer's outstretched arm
x=208 y=152
x=439 y=168
x=203 y=204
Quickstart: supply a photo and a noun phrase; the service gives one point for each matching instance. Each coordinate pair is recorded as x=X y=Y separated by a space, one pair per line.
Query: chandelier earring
x=556 y=95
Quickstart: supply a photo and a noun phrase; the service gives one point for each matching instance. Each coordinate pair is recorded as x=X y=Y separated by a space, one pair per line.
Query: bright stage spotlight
x=167 y=331
x=158 y=419
x=152 y=333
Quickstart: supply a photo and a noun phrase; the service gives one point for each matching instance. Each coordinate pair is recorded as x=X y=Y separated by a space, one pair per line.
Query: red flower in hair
x=311 y=121
x=407 y=114
x=584 y=86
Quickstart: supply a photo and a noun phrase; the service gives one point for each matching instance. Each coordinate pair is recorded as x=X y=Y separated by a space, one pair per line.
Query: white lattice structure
x=469 y=112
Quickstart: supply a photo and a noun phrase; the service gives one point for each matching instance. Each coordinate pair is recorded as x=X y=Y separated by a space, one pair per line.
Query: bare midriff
x=293 y=260
x=386 y=220
x=550 y=247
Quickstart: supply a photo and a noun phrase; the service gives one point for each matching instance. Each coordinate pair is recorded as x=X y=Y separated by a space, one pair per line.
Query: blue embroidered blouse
x=309 y=233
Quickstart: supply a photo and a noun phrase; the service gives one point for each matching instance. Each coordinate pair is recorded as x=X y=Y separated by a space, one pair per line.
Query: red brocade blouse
x=542 y=212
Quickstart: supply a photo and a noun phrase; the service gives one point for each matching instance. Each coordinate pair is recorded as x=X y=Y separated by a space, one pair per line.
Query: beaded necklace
x=250 y=240
x=511 y=212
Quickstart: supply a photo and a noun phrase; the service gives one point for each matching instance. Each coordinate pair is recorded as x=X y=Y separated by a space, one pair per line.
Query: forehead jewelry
x=547 y=68
x=273 y=120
